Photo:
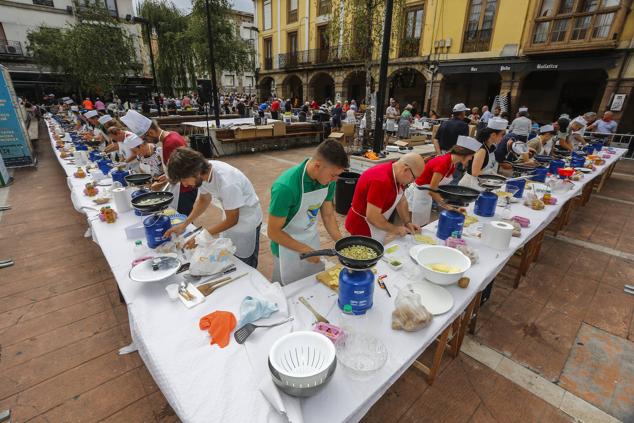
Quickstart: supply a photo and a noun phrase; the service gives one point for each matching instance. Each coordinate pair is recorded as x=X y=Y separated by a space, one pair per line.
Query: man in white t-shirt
x=230 y=190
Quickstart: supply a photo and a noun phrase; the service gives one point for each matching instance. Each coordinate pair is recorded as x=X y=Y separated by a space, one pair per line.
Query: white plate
x=105 y=182
x=436 y=299
x=143 y=272
x=583 y=169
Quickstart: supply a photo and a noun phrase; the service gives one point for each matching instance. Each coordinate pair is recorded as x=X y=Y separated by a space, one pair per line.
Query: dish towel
x=219 y=324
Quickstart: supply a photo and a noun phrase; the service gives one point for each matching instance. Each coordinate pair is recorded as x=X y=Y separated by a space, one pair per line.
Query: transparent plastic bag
x=409 y=313
x=211 y=255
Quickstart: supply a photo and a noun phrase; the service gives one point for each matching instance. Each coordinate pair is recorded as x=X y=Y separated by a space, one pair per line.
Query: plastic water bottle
x=139 y=249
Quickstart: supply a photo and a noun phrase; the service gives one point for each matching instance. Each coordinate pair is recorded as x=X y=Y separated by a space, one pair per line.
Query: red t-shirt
x=275 y=106
x=439 y=164
x=171 y=142
x=375 y=186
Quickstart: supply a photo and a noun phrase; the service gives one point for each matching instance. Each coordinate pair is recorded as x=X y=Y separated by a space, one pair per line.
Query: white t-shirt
x=230 y=187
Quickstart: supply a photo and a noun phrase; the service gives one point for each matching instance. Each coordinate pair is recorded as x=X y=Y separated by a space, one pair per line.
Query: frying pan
x=543 y=159
x=491 y=181
x=455 y=194
x=349 y=241
x=138 y=179
x=166 y=198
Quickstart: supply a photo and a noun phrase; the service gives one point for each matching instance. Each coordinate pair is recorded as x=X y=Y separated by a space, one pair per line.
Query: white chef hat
x=580 y=120
x=523 y=109
x=136 y=122
x=105 y=119
x=69 y=101
x=74 y=108
x=90 y=114
x=131 y=140
x=546 y=128
x=519 y=147
x=497 y=123
x=469 y=143
x=460 y=107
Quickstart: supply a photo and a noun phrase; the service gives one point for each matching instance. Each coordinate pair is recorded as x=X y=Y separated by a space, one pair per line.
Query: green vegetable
x=395 y=263
x=358 y=252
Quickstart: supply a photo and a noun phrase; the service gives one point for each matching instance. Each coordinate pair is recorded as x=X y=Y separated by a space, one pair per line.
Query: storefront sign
x=15 y=145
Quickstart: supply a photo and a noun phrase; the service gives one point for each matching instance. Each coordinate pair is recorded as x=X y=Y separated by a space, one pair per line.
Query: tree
x=182 y=42
x=95 y=53
x=364 y=20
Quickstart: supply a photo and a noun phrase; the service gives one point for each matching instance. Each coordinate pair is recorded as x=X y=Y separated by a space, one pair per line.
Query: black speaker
x=204 y=90
x=202 y=144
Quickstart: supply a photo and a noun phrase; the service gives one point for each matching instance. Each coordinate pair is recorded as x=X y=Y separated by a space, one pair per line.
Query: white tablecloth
x=204 y=383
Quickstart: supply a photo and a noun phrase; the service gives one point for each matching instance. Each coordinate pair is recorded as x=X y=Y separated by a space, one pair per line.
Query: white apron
x=471 y=181
x=243 y=233
x=376 y=233
x=422 y=201
x=302 y=228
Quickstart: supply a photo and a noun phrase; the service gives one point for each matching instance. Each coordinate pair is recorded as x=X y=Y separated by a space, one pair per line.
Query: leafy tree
x=183 y=52
x=95 y=53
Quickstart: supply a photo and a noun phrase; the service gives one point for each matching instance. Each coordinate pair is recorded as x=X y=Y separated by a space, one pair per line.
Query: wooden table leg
x=539 y=244
x=432 y=371
x=604 y=178
x=474 y=316
x=464 y=322
x=586 y=193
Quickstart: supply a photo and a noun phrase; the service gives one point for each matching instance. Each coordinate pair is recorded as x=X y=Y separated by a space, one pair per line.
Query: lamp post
x=212 y=64
x=380 y=96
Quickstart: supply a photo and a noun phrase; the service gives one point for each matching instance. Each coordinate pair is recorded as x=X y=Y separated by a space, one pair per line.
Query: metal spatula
x=245 y=331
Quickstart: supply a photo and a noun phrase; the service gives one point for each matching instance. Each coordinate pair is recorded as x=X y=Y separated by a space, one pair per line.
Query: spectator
x=99 y=105
x=275 y=109
x=486 y=114
x=449 y=130
x=87 y=104
x=521 y=125
x=604 y=126
x=391 y=114
x=474 y=117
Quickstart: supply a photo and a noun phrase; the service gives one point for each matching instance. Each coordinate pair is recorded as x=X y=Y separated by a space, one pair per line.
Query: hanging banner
x=15 y=145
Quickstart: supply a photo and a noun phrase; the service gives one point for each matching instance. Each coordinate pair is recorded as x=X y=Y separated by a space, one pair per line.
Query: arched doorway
x=474 y=90
x=547 y=94
x=322 y=88
x=293 y=88
x=354 y=85
x=407 y=86
x=266 y=88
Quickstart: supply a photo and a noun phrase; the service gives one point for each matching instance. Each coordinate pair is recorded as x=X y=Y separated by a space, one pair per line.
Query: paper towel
x=497 y=235
x=121 y=200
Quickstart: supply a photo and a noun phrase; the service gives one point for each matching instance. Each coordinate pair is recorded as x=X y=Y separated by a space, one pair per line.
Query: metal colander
x=302 y=362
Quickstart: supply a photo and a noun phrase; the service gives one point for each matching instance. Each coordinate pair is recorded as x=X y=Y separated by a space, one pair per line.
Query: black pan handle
x=423 y=187
x=327 y=252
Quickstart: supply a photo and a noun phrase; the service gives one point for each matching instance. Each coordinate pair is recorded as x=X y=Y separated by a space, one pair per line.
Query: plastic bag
x=409 y=313
x=211 y=254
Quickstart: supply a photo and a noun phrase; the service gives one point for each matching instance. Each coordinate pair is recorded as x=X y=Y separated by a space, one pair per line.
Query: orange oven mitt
x=219 y=324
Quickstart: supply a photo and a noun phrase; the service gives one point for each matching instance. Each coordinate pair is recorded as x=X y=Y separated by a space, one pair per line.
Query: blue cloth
x=263 y=107
x=253 y=309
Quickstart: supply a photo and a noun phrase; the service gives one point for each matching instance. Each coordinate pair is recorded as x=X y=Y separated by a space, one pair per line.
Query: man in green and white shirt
x=297 y=196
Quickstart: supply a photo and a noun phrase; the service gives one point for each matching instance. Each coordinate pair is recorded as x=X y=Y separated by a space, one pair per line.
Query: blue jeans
x=252 y=260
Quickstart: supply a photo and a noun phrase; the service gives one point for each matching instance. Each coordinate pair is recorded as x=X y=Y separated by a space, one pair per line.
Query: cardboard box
x=348 y=129
x=279 y=129
x=337 y=136
x=264 y=131
x=242 y=132
x=401 y=143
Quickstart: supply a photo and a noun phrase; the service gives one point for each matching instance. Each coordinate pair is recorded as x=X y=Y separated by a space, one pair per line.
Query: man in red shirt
x=378 y=193
x=275 y=109
x=170 y=141
x=87 y=104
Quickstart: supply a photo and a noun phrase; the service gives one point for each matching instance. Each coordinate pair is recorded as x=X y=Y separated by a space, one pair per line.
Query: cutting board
x=330 y=277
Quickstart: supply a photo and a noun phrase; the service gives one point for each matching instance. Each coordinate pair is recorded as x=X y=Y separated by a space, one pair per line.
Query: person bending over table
x=575 y=139
x=483 y=161
x=229 y=190
x=512 y=150
x=378 y=193
x=297 y=196
x=439 y=171
x=124 y=143
x=149 y=130
x=543 y=143
x=92 y=117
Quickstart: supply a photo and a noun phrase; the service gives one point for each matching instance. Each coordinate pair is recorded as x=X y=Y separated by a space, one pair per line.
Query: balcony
x=44 y=3
x=11 y=48
x=329 y=56
x=479 y=40
x=410 y=47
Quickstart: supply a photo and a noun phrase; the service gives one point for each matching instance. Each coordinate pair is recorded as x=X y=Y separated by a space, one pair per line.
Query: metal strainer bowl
x=301 y=363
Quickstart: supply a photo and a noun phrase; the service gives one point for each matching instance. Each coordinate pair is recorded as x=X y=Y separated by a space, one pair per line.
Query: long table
x=203 y=383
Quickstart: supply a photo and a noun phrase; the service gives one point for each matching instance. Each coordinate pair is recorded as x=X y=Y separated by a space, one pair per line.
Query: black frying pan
x=348 y=242
x=137 y=179
x=165 y=198
x=455 y=194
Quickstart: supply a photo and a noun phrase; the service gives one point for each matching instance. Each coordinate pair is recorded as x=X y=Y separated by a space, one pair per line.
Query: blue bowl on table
x=520 y=184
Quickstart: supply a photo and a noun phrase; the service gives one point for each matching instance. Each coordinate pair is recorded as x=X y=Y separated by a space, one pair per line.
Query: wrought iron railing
x=44 y=3
x=409 y=47
x=330 y=55
x=11 y=48
x=479 y=40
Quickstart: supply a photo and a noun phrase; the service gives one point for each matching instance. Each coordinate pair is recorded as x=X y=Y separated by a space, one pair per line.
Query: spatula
x=245 y=331
x=318 y=316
